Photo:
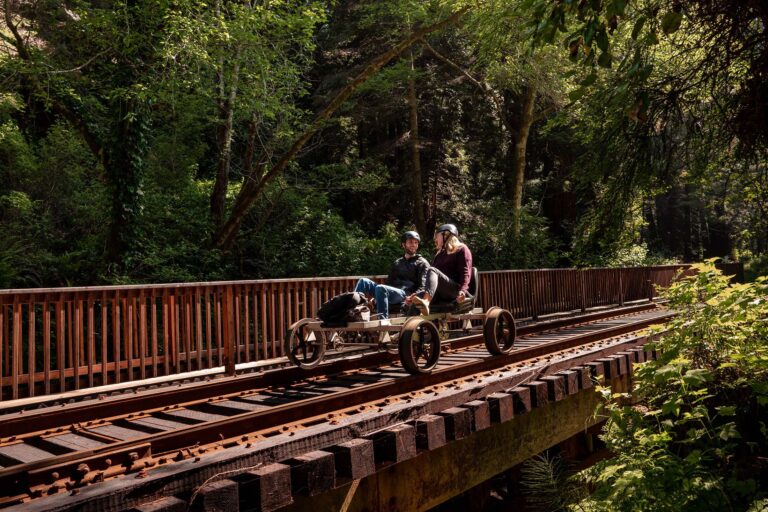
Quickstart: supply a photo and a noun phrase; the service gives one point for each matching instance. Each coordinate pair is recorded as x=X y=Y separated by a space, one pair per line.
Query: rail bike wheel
x=499 y=331
x=419 y=345
x=305 y=347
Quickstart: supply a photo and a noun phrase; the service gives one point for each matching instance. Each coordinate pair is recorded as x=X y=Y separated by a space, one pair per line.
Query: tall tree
x=247 y=61
x=520 y=85
x=255 y=184
x=671 y=88
x=103 y=95
x=416 y=179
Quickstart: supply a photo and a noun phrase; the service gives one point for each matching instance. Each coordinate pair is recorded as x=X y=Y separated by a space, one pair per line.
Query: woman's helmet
x=408 y=235
x=451 y=228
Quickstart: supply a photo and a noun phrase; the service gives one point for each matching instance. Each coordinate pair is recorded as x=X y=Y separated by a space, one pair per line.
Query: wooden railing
x=59 y=339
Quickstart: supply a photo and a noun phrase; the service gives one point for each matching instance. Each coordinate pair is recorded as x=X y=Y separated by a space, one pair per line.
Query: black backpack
x=335 y=312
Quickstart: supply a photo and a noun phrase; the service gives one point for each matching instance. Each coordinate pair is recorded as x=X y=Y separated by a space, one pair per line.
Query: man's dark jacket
x=409 y=274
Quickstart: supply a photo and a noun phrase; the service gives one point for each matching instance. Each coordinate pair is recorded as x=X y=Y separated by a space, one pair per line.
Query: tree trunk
x=520 y=145
x=224 y=140
x=250 y=145
x=124 y=166
x=417 y=195
x=252 y=188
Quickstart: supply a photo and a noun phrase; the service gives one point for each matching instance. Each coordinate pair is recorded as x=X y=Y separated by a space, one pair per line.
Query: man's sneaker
x=422 y=304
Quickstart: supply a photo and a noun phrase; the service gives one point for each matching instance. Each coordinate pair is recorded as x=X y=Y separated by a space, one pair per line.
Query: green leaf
x=645 y=72
x=697 y=377
x=618 y=7
x=602 y=40
x=729 y=431
x=726 y=410
x=671 y=22
x=694 y=457
x=671 y=408
x=638 y=27
x=604 y=60
x=589 y=80
x=576 y=94
x=589 y=32
x=548 y=31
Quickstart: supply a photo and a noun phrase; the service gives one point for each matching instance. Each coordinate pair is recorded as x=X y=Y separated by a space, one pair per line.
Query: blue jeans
x=383 y=294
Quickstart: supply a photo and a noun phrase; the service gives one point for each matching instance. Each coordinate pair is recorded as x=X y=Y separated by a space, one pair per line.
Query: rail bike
x=416 y=338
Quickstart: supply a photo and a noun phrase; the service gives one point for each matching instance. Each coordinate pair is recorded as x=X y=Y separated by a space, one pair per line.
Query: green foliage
x=117 y=149
x=258 y=51
x=636 y=255
x=494 y=247
x=697 y=437
x=16 y=157
x=306 y=239
x=171 y=239
x=52 y=223
x=755 y=267
x=547 y=484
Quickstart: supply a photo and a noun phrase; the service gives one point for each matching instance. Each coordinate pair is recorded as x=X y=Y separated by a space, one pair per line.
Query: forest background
x=183 y=140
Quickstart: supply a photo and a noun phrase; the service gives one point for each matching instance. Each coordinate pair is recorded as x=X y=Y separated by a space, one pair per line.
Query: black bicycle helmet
x=451 y=228
x=408 y=235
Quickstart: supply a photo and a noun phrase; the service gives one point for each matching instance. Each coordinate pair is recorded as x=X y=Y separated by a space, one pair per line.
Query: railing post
x=621 y=288
x=3 y=343
x=314 y=303
x=31 y=347
x=650 y=286
x=583 y=291
x=16 y=367
x=228 y=315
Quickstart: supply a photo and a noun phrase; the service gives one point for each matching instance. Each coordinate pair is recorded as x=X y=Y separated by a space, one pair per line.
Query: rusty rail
x=60 y=339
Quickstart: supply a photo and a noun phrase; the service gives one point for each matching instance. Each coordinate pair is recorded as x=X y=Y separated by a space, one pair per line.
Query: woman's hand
x=460 y=297
x=409 y=299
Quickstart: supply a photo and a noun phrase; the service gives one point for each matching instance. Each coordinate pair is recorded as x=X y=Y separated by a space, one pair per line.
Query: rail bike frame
x=417 y=339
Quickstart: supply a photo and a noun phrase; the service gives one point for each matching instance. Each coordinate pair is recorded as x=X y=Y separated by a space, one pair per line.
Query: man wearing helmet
x=451 y=271
x=406 y=277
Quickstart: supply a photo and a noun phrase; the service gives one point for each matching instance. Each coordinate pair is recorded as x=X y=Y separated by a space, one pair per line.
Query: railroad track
x=125 y=435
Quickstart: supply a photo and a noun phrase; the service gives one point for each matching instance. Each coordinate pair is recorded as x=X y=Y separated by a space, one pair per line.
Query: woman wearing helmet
x=406 y=277
x=451 y=271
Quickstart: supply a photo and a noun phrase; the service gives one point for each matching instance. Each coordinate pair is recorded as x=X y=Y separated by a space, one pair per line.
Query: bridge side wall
x=438 y=475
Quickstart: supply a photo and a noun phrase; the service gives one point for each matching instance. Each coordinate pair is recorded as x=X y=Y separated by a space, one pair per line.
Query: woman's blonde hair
x=452 y=243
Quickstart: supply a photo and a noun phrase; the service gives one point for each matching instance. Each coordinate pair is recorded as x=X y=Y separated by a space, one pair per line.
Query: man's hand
x=460 y=297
